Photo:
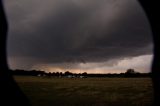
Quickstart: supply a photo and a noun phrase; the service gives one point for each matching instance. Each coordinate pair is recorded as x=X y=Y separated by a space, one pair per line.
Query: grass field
x=44 y=91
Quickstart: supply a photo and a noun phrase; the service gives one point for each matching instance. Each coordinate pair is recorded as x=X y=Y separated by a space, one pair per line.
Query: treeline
x=43 y=73
x=28 y=72
x=127 y=74
x=121 y=75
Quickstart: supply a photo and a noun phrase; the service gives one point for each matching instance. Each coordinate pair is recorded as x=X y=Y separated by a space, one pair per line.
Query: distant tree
x=49 y=74
x=60 y=74
x=67 y=73
x=130 y=71
x=84 y=74
x=57 y=74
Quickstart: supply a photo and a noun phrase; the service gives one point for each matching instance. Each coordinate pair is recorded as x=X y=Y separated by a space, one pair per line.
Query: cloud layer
x=76 y=31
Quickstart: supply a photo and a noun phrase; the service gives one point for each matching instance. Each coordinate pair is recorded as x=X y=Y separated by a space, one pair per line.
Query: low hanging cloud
x=76 y=31
x=111 y=66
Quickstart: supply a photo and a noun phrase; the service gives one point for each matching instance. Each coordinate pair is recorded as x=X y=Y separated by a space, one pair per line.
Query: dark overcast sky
x=90 y=33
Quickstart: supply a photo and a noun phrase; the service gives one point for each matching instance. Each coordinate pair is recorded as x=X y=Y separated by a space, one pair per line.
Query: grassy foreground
x=43 y=91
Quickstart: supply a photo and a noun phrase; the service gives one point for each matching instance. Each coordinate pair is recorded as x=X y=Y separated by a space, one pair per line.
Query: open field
x=43 y=91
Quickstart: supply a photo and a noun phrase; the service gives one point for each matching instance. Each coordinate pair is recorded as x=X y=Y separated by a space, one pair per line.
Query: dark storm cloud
x=77 y=30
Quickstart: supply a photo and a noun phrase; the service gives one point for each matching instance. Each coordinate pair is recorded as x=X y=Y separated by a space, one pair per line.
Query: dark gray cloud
x=77 y=30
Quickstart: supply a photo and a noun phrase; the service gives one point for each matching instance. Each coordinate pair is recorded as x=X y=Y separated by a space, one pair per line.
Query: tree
x=67 y=73
x=84 y=74
x=130 y=71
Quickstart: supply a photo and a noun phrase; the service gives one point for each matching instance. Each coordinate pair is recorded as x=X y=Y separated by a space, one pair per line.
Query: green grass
x=44 y=91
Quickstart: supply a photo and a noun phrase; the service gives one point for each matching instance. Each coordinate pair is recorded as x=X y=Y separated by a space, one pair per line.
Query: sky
x=106 y=36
